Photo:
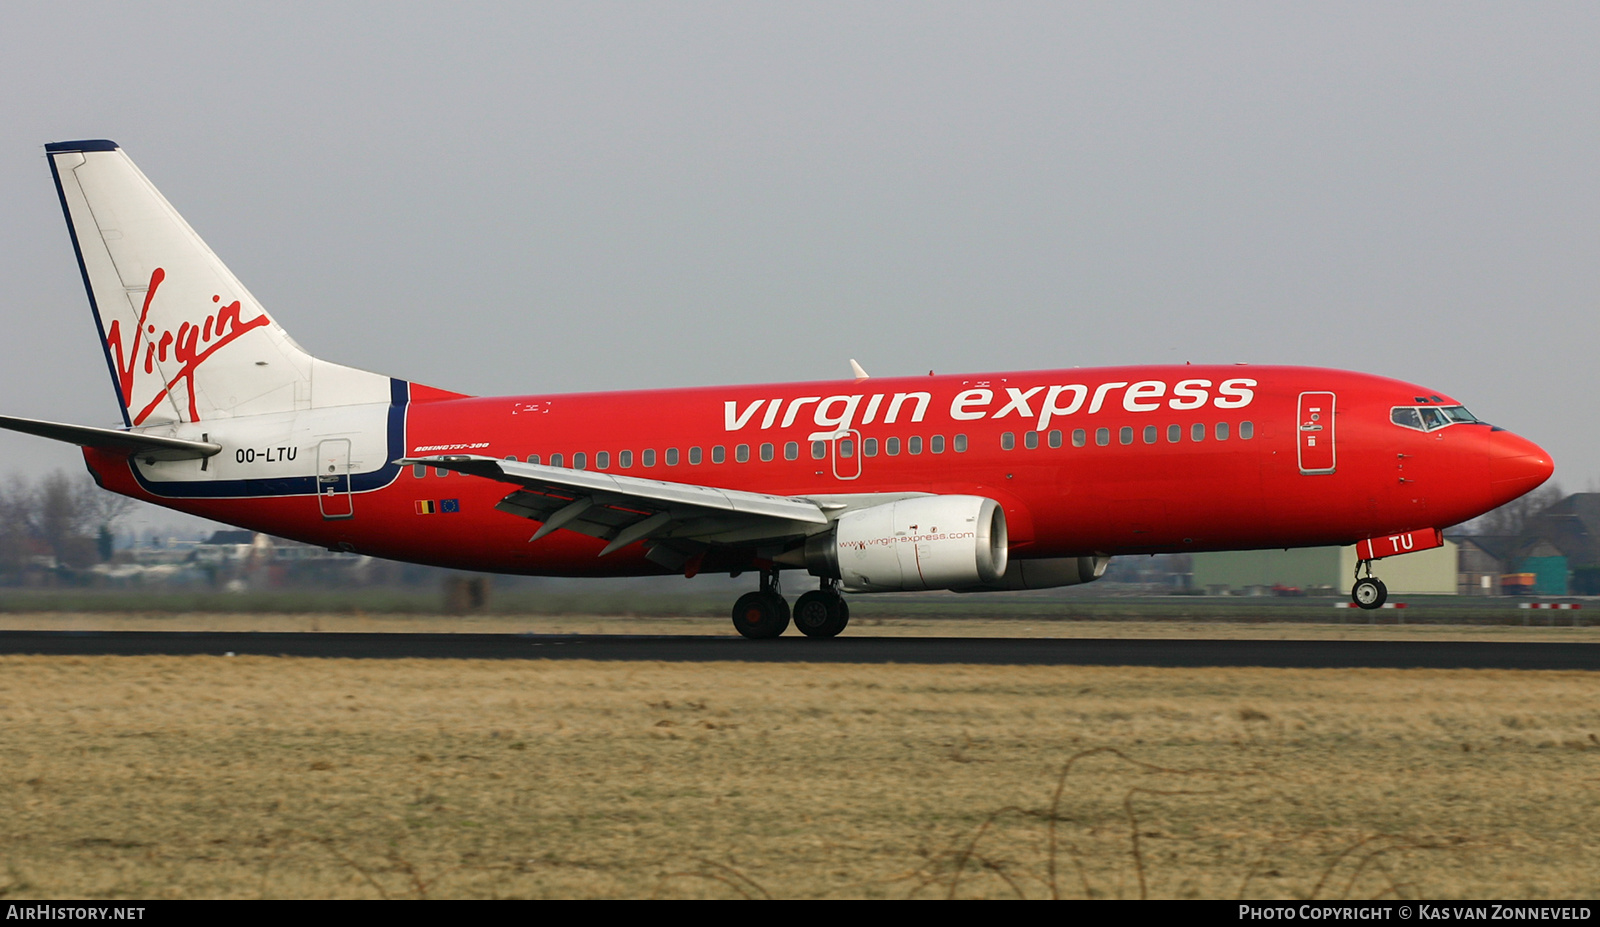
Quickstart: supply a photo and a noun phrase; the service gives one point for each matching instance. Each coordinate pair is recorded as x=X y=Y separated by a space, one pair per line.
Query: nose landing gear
x=1369 y=591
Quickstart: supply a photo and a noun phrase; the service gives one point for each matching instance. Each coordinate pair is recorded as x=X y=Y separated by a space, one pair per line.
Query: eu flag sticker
x=449 y=506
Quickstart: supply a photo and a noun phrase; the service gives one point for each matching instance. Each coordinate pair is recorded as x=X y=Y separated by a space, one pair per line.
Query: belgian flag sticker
x=438 y=507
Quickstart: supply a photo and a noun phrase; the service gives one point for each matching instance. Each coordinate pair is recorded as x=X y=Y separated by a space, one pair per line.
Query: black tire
x=761 y=615
x=820 y=614
x=1369 y=593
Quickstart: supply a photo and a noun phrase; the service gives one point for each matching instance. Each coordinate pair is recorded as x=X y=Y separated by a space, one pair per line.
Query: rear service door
x=333 y=479
x=1315 y=433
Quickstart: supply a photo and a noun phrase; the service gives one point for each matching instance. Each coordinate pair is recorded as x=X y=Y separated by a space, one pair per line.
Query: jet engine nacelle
x=931 y=542
x=1044 y=574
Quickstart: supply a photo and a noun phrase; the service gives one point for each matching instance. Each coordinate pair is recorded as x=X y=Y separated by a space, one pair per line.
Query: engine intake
x=934 y=542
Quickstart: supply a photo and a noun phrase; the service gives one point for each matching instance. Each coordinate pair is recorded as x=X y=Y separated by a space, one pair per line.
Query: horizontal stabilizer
x=150 y=447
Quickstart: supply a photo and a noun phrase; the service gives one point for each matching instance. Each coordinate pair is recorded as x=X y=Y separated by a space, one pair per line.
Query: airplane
x=967 y=482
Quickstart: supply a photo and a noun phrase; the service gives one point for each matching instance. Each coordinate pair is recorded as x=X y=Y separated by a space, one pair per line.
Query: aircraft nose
x=1516 y=466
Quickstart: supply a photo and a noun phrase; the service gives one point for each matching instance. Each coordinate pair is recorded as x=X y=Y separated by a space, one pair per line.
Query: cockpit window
x=1406 y=417
x=1430 y=418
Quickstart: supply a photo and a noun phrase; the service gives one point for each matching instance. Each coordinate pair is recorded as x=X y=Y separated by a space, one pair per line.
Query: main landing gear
x=1369 y=591
x=820 y=613
x=764 y=614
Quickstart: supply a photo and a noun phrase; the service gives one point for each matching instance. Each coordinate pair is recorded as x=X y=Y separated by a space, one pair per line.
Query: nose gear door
x=1315 y=433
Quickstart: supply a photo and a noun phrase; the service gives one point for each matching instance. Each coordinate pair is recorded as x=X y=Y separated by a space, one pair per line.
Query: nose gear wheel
x=1369 y=591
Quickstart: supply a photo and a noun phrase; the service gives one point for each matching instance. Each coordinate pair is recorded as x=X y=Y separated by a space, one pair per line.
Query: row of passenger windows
x=870 y=447
x=1152 y=434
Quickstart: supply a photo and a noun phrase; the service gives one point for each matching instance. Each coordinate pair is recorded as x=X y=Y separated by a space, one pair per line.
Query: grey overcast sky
x=521 y=197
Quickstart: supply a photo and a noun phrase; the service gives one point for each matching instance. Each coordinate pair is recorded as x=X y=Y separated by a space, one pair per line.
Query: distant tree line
x=1513 y=519
x=56 y=524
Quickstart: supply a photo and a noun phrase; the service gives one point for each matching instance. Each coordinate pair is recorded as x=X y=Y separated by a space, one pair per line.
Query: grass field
x=269 y=777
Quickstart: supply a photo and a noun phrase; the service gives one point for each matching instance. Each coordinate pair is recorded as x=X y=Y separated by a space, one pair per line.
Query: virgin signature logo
x=190 y=346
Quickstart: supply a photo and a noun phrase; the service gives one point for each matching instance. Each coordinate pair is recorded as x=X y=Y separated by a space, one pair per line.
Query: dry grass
x=264 y=777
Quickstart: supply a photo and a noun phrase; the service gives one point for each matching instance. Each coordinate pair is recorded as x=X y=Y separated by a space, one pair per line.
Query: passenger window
x=1079 y=437
x=936 y=444
x=602 y=460
x=891 y=446
x=1030 y=440
x=511 y=457
x=555 y=460
x=648 y=457
x=1055 y=437
x=580 y=461
x=847 y=449
x=869 y=447
x=1149 y=434
x=742 y=453
x=1174 y=434
x=914 y=445
x=718 y=455
x=961 y=444
x=672 y=457
x=1247 y=430
x=419 y=470
x=766 y=452
x=533 y=459
x=1102 y=436
x=694 y=456
x=791 y=451
x=1222 y=431
x=1126 y=434
x=625 y=459
x=819 y=450
x=1007 y=441
x=1197 y=432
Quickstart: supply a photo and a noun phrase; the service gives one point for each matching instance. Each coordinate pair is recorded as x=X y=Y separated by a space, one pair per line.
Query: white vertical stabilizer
x=186 y=342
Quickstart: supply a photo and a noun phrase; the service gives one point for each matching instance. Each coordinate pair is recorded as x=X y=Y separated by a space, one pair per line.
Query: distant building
x=1483 y=560
x=1559 y=547
x=1562 y=546
x=1323 y=571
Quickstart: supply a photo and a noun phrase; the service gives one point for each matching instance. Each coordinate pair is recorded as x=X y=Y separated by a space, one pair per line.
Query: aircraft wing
x=680 y=517
x=623 y=509
x=150 y=447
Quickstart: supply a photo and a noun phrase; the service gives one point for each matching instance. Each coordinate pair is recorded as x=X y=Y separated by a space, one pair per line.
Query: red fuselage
x=1124 y=460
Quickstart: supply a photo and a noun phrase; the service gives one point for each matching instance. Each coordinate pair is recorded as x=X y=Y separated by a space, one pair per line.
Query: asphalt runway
x=932 y=650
